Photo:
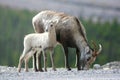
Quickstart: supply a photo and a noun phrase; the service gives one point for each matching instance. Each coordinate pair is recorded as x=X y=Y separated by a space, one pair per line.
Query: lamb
x=37 y=42
x=70 y=33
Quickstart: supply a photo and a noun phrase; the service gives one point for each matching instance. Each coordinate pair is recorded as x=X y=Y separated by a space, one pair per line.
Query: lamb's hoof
x=36 y=70
x=26 y=70
x=69 y=69
x=45 y=70
x=54 y=69
x=18 y=70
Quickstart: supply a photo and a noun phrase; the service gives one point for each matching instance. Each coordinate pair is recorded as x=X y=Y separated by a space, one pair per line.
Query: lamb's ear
x=86 y=49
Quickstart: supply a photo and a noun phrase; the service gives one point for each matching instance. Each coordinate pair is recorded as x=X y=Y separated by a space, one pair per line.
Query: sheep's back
x=36 y=40
x=65 y=21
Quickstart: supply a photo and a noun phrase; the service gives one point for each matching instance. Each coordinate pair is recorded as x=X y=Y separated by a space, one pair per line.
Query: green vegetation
x=15 y=24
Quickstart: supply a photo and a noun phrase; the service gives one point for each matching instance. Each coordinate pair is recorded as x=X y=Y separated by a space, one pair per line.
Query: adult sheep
x=70 y=33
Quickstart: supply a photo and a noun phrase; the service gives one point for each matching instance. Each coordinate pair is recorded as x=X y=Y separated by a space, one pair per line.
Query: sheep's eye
x=88 y=58
x=51 y=25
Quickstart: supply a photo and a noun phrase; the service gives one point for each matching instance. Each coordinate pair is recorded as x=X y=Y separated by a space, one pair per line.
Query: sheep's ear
x=43 y=20
x=86 y=49
x=55 y=21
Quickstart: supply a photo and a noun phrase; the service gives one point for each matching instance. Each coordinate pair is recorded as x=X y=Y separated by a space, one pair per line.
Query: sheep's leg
x=77 y=60
x=45 y=60
x=20 y=63
x=40 y=64
x=26 y=64
x=22 y=58
x=52 y=59
x=27 y=57
x=37 y=61
x=34 y=62
x=65 y=45
x=39 y=57
x=66 y=59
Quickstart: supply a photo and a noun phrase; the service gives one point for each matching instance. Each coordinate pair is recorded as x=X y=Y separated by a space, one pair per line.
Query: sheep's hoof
x=78 y=69
x=54 y=69
x=69 y=69
x=26 y=70
x=41 y=70
x=36 y=70
x=45 y=70
x=19 y=70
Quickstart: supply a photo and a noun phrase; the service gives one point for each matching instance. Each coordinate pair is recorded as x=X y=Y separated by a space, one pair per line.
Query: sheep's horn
x=96 y=52
x=95 y=47
x=100 y=49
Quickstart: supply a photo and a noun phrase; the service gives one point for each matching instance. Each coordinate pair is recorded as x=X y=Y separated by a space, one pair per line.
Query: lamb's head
x=50 y=25
x=90 y=56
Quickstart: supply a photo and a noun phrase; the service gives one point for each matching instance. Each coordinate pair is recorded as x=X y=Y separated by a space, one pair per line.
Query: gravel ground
x=109 y=71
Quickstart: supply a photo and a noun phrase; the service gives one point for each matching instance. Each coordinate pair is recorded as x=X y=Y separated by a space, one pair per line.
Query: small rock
x=96 y=66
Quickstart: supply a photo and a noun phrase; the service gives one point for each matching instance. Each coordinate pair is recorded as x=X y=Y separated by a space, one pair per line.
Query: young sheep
x=46 y=41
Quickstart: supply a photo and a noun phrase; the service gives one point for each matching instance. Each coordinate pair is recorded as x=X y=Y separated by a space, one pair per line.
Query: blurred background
x=101 y=18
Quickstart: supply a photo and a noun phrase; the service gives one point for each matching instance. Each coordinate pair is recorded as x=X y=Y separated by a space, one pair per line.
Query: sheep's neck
x=52 y=38
x=81 y=42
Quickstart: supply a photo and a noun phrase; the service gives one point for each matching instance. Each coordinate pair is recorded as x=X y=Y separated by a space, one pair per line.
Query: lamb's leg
x=52 y=59
x=20 y=62
x=34 y=62
x=27 y=57
x=26 y=64
x=38 y=62
x=45 y=60
x=22 y=58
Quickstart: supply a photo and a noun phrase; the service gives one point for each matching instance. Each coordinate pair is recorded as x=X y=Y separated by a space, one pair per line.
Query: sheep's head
x=90 y=56
x=49 y=25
